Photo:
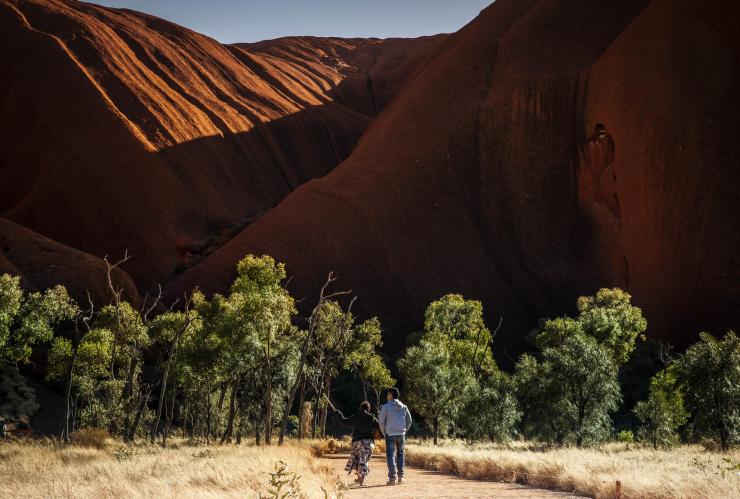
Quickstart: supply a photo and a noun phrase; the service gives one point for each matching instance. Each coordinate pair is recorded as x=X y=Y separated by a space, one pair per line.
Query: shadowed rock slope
x=43 y=263
x=549 y=148
x=122 y=130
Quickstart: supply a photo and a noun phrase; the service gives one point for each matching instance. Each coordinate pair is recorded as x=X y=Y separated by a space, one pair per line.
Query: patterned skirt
x=359 y=459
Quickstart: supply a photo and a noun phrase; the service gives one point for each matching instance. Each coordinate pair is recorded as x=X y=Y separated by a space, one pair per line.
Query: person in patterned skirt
x=364 y=425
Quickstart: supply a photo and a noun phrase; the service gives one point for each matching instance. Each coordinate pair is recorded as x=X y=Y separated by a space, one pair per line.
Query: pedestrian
x=395 y=421
x=364 y=425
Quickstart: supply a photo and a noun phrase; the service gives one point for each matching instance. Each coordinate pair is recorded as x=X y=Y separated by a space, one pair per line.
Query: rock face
x=43 y=263
x=124 y=131
x=549 y=148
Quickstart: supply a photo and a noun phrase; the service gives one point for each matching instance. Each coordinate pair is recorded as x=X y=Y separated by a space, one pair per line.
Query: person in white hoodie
x=395 y=421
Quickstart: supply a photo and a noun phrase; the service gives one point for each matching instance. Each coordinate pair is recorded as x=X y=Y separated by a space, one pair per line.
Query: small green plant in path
x=283 y=483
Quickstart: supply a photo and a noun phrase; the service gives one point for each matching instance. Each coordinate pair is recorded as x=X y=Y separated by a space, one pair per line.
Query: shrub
x=17 y=397
x=625 y=436
x=663 y=411
x=292 y=426
x=710 y=371
x=91 y=437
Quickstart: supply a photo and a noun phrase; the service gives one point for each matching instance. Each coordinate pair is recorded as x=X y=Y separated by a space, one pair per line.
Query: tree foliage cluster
x=569 y=389
x=241 y=363
x=216 y=368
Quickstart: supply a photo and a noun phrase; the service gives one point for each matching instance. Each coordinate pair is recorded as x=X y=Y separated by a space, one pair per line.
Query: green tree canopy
x=491 y=412
x=27 y=319
x=436 y=384
x=710 y=372
x=459 y=324
x=608 y=316
x=575 y=389
x=453 y=355
x=663 y=412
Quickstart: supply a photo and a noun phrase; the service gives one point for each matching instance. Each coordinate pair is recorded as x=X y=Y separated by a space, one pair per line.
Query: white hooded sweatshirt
x=395 y=418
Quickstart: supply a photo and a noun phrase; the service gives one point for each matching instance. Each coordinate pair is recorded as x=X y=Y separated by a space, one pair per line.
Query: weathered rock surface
x=43 y=263
x=487 y=174
x=549 y=148
x=125 y=131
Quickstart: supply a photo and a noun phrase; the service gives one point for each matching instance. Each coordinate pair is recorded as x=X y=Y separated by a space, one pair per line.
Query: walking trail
x=423 y=484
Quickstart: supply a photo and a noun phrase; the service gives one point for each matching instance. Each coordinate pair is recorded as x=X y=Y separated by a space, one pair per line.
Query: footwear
x=401 y=480
x=391 y=481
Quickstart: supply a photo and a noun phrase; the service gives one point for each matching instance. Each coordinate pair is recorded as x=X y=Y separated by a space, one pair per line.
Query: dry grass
x=43 y=469
x=322 y=447
x=687 y=471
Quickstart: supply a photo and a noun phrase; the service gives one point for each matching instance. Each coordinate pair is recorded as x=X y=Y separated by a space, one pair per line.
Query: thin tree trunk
x=436 y=430
x=169 y=416
x=74 y=414
x=208 y=417
x=187 y=430
x=224 y=387
x=160 y=402
x=315 y=415
x=268 y=399
x=301 y=401
x=128 y=391
x=232 y=412
x=325 y=410
x=293 y=390
x=140 y=411
x=68 y=392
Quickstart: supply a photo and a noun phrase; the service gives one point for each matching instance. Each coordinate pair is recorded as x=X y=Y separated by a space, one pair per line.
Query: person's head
x=365 y=406
x=392 y=394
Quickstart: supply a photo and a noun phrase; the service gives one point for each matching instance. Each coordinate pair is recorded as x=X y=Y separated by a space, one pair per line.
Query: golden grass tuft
x=327 y=446
x=91 y=437
x=687 y=471
x=37 y=469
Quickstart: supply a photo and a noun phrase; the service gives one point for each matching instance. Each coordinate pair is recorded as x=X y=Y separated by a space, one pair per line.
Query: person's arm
x=376 y=425
x=382 y=420
x=408 y=419
x=346 y=421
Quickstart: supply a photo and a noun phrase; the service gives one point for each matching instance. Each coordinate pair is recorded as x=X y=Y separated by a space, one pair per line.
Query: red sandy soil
x=485 y=175
x=425 y=484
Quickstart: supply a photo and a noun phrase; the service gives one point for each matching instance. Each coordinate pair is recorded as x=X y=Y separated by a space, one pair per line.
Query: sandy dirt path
x=423 y=484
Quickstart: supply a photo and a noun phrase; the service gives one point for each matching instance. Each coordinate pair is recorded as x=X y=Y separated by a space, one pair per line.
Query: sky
x=231 y=21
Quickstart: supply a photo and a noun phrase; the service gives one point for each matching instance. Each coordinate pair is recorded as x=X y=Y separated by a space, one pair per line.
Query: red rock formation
x=124 y=131
x=485 y=174
x=43 y=263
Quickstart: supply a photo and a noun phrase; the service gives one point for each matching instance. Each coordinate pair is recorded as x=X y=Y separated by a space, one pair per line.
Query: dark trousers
x=394 y=455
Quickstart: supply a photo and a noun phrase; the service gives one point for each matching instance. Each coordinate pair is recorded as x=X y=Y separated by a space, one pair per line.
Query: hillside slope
x=549 y=148
x=125 y=131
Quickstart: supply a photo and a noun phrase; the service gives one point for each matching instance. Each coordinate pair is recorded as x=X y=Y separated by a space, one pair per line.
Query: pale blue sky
x=231 y=21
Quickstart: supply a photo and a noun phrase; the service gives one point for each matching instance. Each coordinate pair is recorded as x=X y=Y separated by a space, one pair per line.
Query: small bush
x=332 y=446
x=123 y=453
x=91 y=437
x=293 y=425
x=625 y=436
x=284 y=484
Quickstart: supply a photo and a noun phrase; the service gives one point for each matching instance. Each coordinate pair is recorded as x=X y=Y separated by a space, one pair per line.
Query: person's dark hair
x=394 y=392
x=365 y=406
